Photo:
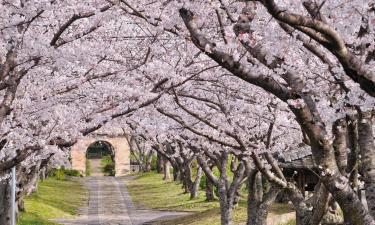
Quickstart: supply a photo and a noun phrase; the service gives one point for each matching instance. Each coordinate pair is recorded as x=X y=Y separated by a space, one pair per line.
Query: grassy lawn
x=150 y=191
x=54 y=199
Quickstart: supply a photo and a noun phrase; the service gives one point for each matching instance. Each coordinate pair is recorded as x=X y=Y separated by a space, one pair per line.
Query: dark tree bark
x=352 y=143
x=258 y=202
x=176 y=173
x=367 y=147
x=340 y=144
x=186 y=176
x=227 y=190
x=4 y=202
x=159 y=163
x=210 y=196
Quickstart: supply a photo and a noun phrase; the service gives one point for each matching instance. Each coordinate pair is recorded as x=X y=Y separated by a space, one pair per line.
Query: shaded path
x=110 y=204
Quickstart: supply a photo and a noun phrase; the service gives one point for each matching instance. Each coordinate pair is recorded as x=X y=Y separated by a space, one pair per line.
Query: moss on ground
x=54 y=199
x=150 y=191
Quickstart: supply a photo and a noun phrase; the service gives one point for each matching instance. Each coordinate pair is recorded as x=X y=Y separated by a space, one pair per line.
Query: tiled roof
x=300 y=157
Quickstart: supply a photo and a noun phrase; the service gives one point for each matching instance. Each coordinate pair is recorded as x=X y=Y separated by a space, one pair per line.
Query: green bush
x=108 y=165
x=202 y=183
x=109 y=169
x=72 y=173
x=59 y=174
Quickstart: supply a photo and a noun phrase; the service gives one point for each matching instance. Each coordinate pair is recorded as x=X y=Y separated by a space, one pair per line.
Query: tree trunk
x=352 y=144
x=252 y=196
x=195 y=187
x=159 y=163
x=176 y=173
x=186 y=177
x=42 y=173
x=210 y=196
x=166 y=170
x=339 y=131
x=225 y=205
x=257 y=202
x=367 y=148
x=4 y=202
x=149 y=161
x=21 y=205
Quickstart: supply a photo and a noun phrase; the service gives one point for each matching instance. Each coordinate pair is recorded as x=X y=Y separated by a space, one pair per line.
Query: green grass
x=54 y=199
x=290 y=222
x=150 y=191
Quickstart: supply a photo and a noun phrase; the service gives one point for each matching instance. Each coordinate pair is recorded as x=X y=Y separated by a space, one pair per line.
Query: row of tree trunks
x=139 y=152
x=307 y=115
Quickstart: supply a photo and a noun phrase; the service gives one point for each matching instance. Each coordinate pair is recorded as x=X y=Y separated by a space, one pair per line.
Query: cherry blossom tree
x=207 y=80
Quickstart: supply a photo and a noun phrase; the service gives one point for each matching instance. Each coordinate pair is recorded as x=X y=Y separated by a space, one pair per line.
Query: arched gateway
x=120 y=148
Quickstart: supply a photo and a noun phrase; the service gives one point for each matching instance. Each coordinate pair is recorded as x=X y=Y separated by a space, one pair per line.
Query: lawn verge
x=150 y=191
x=54 y=199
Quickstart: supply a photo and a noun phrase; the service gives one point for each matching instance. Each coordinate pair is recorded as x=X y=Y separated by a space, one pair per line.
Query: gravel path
x=110 y=204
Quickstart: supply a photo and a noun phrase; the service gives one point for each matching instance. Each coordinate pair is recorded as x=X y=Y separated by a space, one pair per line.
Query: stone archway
x=121 y=154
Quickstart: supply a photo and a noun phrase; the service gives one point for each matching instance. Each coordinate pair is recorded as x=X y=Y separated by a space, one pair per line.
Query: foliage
x=108 y=165
x=72 y=173
x=202 y=183
x=54 y=199
x=60 y=174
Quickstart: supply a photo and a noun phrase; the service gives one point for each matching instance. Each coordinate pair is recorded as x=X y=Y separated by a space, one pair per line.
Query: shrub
x=109 y=169
x=202 y=183
x=59 y=174
x=72 y=173
x=108 y=165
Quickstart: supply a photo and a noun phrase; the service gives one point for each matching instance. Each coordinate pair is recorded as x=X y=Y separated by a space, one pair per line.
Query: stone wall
x=121 y=148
